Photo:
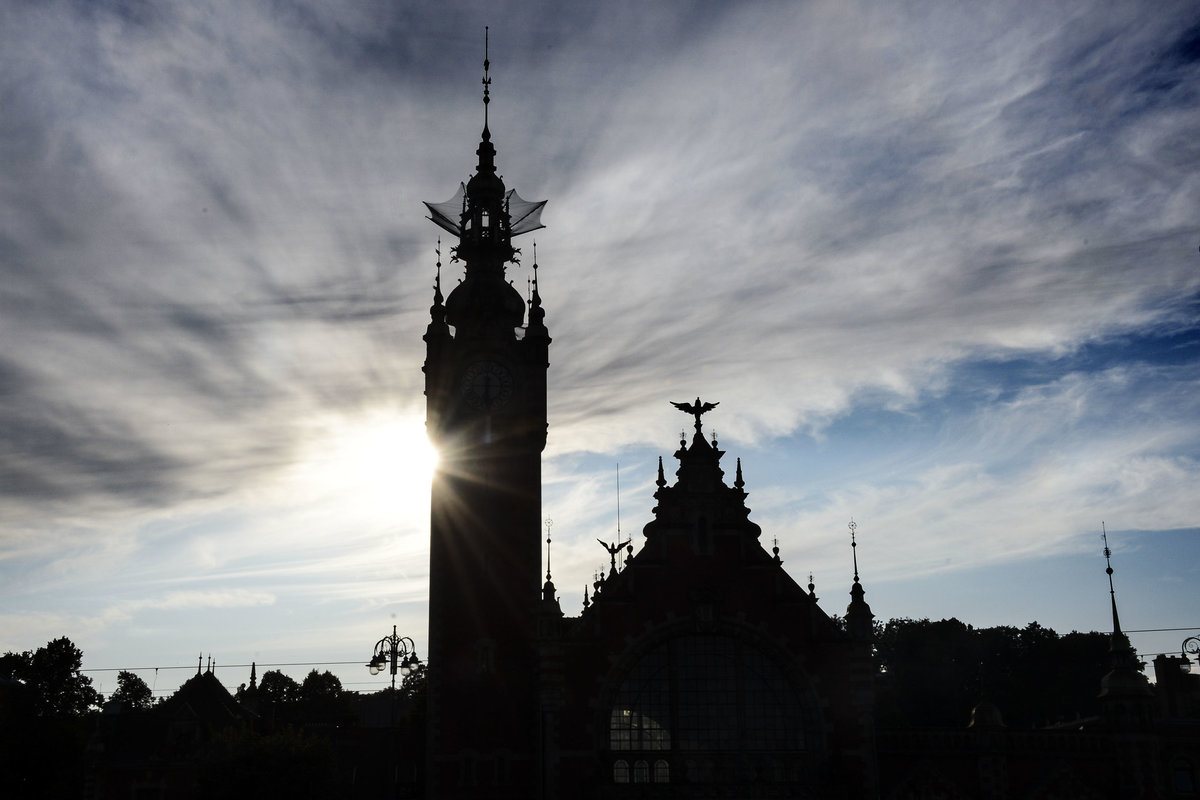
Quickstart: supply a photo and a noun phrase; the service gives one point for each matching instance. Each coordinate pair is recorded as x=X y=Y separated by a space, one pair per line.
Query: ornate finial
x=586 y=602
x=714 y=439
x=199 y=664
x=812 y=587
x=853 y=526
x=1112 y=595
x=775 y=551
x=662 y=480
x=437 y=281
x=697 y=409
x=549 y=525
x=682 y=438
x=612 y=550
x=487 y=84
x=738 y=483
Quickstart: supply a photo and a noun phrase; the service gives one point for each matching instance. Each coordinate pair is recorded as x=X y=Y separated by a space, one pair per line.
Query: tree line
x=931 y=673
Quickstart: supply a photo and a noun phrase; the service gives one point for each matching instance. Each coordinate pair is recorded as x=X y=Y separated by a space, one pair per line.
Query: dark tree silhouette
x=412 y=687
x=934 y=673
x=275 y=688
x=44 y=721
x=322 y=699
x=53 y=679
x=132 y=692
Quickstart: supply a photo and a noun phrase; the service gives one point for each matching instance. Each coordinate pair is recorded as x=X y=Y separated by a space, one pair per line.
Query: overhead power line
x=229 y=666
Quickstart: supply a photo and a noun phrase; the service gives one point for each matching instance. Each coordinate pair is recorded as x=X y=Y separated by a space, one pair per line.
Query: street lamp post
x=398 y=653
x=1191 y=647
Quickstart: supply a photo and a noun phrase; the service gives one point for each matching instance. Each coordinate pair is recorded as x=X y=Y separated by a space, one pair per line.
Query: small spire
x=738 y=483
x=253 y=675
x=586 y=602
x=662 y=480
x=812 y=587
x=199 y=664
x=775 y=548
x=853 y=526
x=487 y=85
x=858 y=613
x=437 y=280
x=549 y=525
x=1112 y=595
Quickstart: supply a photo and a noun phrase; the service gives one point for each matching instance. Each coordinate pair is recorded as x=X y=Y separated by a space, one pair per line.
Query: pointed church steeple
x=858 y=613
x=1124 y=678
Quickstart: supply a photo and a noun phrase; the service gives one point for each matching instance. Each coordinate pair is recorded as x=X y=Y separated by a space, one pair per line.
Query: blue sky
x=936 y=261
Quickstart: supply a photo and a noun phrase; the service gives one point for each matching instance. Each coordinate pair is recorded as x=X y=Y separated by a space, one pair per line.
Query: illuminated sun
x=376 y=464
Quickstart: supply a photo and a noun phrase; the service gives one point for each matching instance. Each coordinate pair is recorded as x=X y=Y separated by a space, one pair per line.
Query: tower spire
x=1112 y=595
x=853 y=526
x=858 y=613
x=487 y=85
x=549 y=525
x=1124 y=678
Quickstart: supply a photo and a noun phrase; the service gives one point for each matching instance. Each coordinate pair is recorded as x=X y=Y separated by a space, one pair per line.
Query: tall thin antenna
x=618 y=501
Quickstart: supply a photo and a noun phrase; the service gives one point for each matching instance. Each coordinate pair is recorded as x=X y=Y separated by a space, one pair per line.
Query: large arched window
x=698 y=696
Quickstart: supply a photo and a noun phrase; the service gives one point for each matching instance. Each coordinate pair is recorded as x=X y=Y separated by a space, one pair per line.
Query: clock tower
x=485 y=388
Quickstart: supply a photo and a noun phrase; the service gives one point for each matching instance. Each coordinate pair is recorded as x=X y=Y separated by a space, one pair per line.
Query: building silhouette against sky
x=698 y=667
x=697 y=661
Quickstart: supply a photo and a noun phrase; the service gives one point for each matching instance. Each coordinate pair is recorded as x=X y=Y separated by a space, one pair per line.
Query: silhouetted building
x=698 y=667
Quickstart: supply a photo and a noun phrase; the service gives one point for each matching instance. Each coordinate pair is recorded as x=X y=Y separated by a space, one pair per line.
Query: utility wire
x=229 y=666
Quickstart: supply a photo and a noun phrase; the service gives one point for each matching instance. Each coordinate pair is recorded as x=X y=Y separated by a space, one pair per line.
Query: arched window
x=705 y=694
x=620 y=771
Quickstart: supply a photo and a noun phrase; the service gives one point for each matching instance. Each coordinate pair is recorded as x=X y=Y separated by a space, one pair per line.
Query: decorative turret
x=700 y=504
x=485 y=216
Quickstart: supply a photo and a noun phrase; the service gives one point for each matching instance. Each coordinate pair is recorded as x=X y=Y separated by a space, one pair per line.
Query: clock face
x=487 y=385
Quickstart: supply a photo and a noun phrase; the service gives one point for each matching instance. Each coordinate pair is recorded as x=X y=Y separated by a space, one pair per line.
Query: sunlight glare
x=379 y=465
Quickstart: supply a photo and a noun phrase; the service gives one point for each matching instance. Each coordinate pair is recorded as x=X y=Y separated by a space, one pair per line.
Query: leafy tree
x=320 y=685
x=322 y=698
x=934 y=673
x=43 y=722
x=415 y=682
x=52 y=675
x=275 y=688
x=132 y=692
